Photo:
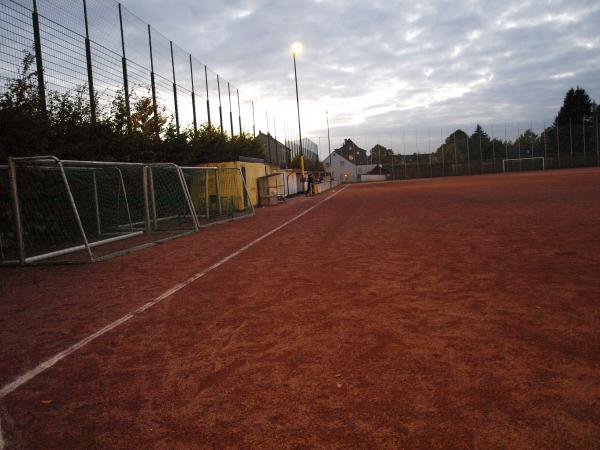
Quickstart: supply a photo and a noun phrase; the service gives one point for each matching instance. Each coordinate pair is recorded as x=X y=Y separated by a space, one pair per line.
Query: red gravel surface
x=457 y=312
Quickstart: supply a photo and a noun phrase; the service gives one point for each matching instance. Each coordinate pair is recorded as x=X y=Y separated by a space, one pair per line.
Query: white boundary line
x=42 y=367
x=2 y=444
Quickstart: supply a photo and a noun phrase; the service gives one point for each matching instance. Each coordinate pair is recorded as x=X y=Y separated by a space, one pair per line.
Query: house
x=344 y=170
x=353 y=153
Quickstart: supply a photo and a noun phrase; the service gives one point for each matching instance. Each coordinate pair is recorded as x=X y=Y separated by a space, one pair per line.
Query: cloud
x=384 y=67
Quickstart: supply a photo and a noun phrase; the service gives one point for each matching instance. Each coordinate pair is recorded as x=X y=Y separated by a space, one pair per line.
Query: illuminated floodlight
x=297 y=48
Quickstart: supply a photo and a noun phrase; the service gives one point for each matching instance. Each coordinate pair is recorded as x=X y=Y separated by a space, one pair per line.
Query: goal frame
x=530 y=158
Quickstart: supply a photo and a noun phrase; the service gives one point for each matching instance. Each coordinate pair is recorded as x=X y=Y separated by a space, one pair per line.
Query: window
x=341 y=163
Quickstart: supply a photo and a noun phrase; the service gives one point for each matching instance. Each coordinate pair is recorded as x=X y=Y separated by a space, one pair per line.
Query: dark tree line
x=65 y=128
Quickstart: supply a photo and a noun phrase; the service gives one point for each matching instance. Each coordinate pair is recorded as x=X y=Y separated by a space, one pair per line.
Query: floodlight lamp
x=297 y=48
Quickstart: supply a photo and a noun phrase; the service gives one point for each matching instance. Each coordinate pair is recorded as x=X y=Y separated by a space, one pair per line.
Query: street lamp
x=328 y=139
x=296 y=50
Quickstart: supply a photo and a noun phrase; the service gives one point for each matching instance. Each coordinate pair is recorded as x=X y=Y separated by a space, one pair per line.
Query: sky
x=387 y=69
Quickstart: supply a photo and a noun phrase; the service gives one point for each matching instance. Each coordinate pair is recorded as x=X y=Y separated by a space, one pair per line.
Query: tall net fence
x=77 y=211
x=490 y=148
x=108 y=60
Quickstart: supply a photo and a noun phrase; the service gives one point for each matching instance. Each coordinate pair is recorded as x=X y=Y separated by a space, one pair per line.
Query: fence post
x=38 y=59
x=125 y=79
x=583 y=133
x=468 y=155
x=505 y=146
x=597 y=146
x=455 y=153
x=493 y=150
x=88 y=58
x=207 y=99
x=193 y=97
x=220 y=105
x=545 y=144
x=12 y=174
x=174 y=89
x=239 y=110
x=230 y=111
x=254 y=122
x=558 y=144
x=531 y=129
x=443 y=151
x=153 y=85
x=571 y=140
x=480 y=154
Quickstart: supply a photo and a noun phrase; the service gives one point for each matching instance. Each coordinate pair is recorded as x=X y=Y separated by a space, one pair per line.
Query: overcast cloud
x=381 y=68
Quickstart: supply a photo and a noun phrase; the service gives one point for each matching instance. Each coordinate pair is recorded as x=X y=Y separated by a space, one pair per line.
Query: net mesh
x=523 y=164
x=169 y=202
x=74 y=211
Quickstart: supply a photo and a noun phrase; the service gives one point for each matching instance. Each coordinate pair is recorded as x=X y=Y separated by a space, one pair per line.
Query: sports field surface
x=457 y=312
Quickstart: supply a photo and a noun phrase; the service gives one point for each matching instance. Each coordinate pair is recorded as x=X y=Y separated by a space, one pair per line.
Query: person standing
x=309 y=184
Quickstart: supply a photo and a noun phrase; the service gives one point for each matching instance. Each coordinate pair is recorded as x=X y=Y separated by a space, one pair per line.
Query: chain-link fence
x=111 y=61
x=470 y=150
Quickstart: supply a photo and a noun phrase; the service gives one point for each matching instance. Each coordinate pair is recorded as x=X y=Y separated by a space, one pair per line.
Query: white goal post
x=517 y=164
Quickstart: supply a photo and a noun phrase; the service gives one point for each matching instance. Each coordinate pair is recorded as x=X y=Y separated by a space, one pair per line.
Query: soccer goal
x=521 y=164
x=217 y=193
x=68 y=208
x=77 y=211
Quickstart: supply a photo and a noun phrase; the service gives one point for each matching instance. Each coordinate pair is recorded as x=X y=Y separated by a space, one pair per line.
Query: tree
x=576 y=107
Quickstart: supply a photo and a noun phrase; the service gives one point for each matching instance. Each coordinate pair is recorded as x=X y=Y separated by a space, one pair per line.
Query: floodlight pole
x=298 y=107
x=328 y=138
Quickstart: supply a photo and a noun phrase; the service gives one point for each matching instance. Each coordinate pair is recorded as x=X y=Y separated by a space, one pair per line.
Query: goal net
x=76 y=211
x=523 y=164
x=217 y=193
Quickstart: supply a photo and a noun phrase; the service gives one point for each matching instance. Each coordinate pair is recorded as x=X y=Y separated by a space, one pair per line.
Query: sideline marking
x=42 y=367
x=1 y=439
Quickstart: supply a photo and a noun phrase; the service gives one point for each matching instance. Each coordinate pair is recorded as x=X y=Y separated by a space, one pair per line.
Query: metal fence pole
x=207 y=100
x=443 y=151
x=455 y=153
x=597 y=146
x=253 y=121
x=220 y=105
x=239 y=110
x=88 y=58
x=519 y=140
x=545 y=143
x=558 y=144
x=505 y=144
x=174 y=90
x=38 y=60
x=531 y=129
x=12 y=174
x=571 y=141
x=480 y=154
x=153 y=85
x=193 y=97
x=493 y=150
x=583 y=133
x=468 y=155
x=230 y=111
x=125 y=78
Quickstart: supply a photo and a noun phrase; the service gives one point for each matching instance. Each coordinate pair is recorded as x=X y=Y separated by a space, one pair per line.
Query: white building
x=344 y=170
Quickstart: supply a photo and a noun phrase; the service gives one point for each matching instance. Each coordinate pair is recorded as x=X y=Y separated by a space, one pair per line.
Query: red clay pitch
x=457 y=312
